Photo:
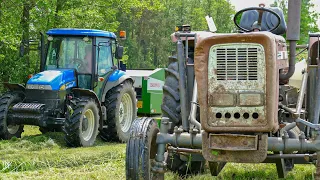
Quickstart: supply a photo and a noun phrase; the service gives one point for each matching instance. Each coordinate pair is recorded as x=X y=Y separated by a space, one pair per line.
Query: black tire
x=171 y=94
x=6 y=102
x=184 y=168
x=115 y=100
x=171 y=108
x=78 y=124
x=141 y=150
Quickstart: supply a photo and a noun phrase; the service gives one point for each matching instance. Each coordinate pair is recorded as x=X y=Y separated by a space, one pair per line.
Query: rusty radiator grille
x=237 y=63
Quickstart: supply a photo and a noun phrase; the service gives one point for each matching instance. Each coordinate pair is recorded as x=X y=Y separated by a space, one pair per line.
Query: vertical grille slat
x=237 y=63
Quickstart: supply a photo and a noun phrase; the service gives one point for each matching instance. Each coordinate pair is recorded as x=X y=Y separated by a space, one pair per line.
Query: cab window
x=104 y=55
x=70 y=52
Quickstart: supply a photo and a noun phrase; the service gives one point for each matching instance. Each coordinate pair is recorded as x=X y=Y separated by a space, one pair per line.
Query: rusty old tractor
x=227 y=99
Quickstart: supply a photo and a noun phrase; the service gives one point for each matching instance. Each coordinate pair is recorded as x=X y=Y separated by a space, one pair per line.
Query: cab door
x=104 y=59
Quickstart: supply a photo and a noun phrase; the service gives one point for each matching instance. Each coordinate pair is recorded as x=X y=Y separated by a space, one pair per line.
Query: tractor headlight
x=39 y=86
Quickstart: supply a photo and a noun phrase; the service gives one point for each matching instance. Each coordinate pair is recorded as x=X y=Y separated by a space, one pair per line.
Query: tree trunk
x=56 y=13
x=155 y=57
x=25 y=22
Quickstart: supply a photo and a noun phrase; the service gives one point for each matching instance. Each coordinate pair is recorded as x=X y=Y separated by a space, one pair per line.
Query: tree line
x=148 y=23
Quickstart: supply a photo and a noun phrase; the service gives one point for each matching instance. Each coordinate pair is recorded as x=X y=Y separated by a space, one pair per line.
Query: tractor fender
x=89 y=93
x=110 y=84
x=14 y=87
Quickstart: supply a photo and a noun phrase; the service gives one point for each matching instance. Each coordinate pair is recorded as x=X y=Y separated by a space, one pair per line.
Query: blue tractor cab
x=80 y=90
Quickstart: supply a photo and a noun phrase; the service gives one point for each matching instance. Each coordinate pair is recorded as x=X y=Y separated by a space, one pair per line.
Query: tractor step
x=29 y=107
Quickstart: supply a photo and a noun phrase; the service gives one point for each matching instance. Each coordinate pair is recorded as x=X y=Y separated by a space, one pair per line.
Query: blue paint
x=80 y=32
x=116 y=75
x=54 y=78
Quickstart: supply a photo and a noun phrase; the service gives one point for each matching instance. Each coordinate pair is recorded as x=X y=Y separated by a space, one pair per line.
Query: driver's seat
x=268 y=20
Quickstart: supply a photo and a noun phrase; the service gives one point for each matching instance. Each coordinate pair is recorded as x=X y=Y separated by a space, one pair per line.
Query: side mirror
x=119 y=52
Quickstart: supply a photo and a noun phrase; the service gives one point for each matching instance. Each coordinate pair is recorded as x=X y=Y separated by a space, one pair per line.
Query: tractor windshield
x=70 y=52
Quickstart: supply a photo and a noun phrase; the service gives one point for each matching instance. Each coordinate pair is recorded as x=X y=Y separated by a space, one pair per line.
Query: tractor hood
x=59 y=79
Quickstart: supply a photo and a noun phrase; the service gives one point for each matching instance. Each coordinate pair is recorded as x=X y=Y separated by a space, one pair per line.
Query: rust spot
x=214 y=71
x=220 y=89
x=236 y=153
x=231 y=142
x=222 y=100
x=282 y=126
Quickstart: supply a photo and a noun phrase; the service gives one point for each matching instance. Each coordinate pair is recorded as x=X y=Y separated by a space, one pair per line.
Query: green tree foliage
x=308 y=21
x=149 y=24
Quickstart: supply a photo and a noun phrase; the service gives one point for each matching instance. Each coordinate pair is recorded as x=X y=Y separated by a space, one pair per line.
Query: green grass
x=37 y=156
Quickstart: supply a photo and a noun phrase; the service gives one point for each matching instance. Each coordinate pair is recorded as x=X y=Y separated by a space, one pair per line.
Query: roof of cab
x=81 y=32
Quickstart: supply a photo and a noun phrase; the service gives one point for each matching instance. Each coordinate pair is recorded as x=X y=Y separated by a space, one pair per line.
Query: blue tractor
x=79 y=90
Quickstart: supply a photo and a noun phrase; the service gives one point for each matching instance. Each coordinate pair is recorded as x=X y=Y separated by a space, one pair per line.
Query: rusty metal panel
x=222 y=100
x=282 y=54
x=238 y=156
x=233 y=142
x=237 y=68
x=240 y=117
x=251 y=68
x=250 y=99
x=236 y=61
x=313 y=53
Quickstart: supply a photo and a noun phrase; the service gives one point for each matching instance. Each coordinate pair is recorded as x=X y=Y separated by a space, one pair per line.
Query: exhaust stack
x=293 y=34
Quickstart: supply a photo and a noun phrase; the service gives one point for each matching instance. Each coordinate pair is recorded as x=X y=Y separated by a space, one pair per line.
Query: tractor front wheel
x=121 y=105
x=81 y=128
x=7 y=131
x=142 y=149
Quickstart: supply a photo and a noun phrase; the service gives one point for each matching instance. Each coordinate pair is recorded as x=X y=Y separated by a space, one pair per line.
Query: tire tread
x=5 y=101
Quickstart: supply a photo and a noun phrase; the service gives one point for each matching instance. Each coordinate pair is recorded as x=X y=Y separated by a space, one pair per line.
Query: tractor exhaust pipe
x=293 y=35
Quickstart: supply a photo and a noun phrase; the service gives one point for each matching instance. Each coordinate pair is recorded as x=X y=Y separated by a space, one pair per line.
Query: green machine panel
x=148 y=85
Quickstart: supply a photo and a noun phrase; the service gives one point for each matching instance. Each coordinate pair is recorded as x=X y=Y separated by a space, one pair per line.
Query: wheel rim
x=125 y=112
x=13 y=129
x=88 y=131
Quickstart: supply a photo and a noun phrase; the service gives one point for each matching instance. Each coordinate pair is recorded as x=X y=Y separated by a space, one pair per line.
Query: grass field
x=37 y=156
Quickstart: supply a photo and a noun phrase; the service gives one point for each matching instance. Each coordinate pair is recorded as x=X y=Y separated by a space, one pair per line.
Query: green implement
x=148 y=85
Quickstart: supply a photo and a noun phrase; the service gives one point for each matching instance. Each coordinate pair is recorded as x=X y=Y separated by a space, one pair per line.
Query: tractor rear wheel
x=142 y=149
x=171 y=108
x=171 y=97
x=7 y=131
x=81 y=128
x=121 y=105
